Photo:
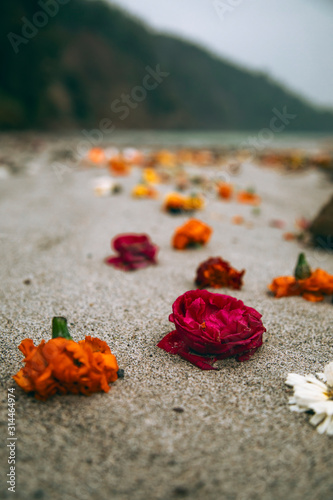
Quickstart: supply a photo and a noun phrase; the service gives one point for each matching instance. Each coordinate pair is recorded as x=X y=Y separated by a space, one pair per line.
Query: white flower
x=312 y=394
x=104 y=186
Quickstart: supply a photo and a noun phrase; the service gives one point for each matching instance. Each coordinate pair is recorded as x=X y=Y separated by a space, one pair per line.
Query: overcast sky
x=291 y=40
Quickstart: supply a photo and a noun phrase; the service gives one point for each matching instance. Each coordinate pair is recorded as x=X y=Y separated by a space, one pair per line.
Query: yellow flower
x=150 y=176
x=144 y=191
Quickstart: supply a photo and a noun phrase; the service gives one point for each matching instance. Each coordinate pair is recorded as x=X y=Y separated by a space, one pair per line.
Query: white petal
x=313 y=380
x=322 y=407
x=330 y=428
x=328 y=372
x=321 y=376
x=311 y=389
x=299 y=409
x=295 y=379
x=323 y=427
x=317 y=418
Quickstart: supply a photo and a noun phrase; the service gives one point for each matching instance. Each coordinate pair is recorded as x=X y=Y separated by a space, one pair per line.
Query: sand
x=232 y=436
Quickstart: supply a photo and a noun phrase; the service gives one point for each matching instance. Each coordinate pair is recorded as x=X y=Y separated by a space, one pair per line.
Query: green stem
x=59 y=328
x=302 y=270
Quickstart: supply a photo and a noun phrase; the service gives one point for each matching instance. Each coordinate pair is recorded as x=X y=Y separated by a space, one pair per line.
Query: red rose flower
x=135 y=252
x=211 y=326
x=216 y=273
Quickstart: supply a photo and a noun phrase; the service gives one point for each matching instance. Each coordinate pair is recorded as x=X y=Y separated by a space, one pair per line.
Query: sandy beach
x=167 y=430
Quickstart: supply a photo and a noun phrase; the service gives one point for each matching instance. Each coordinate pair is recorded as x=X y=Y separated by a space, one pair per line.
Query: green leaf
x=59 y=328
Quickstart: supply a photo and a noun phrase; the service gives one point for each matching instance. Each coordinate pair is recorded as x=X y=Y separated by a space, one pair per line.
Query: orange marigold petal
x=313 y=297
x=193 y=232
x=64 y=366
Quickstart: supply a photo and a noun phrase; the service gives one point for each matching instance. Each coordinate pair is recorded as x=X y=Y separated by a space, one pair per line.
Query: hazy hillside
x=70 y=72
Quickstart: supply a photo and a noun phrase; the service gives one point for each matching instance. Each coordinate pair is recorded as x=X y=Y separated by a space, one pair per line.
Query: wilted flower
x=225 y=190
x=217 y=273
x=248 y=197
x=133 y=156
x=165 y=158
x=192 y=233
x=288 y=236
x=277 y=223
x=176 y=203
x=302 y=223
x=314 y=395
x=193 y=202
x=119 y=166
x=63 y=366
x=311 y=285
x=104 y=186
x=144 y=191
x=211 y=326
x=237 y=220
x=97 y=155
x=135 y=252
x=150 y=176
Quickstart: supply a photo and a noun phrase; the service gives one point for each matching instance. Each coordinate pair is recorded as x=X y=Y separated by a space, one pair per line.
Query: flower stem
x=302 y=270
x=59 y=328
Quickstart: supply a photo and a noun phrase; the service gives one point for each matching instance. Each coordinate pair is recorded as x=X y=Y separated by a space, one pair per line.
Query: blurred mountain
x=66 y=62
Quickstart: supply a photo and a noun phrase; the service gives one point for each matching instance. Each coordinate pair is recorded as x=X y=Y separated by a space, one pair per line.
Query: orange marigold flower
x=311 y=285
x=176 y=203
x=63 y=366
x=314 y=288
x=237 y=220
x=288 y=236
x=248 y=197
x=225 y=190
x=97 y=155
x=192 y=233
x=217 y=273
x=285 y=286
x=119 y=166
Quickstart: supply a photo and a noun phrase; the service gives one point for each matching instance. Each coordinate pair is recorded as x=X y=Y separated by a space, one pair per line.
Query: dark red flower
x=211 y=326
x=216 y=273
x=135 y=252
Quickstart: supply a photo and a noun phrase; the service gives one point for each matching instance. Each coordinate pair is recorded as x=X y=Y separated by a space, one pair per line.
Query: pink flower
x=211 y=326
x=135 y=252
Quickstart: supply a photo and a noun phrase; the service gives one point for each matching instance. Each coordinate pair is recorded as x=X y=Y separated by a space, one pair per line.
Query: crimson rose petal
x=135 y=251
x=211 y=326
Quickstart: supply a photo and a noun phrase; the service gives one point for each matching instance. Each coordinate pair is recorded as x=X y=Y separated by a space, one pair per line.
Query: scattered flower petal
x=105 y=186
x=248 y=197
x=277 y=223
x=62 y=366
x=237 y=220
x=217 y=273
x=312 y=288
x=176 y=203
x=314 y=395
x=144 y=191
x=97 y=155
x=150 y=176
x=211 y=326
x=193 y=233
x=119 y=166
x=135 y=251
x=288 y=236
x=225 y=190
